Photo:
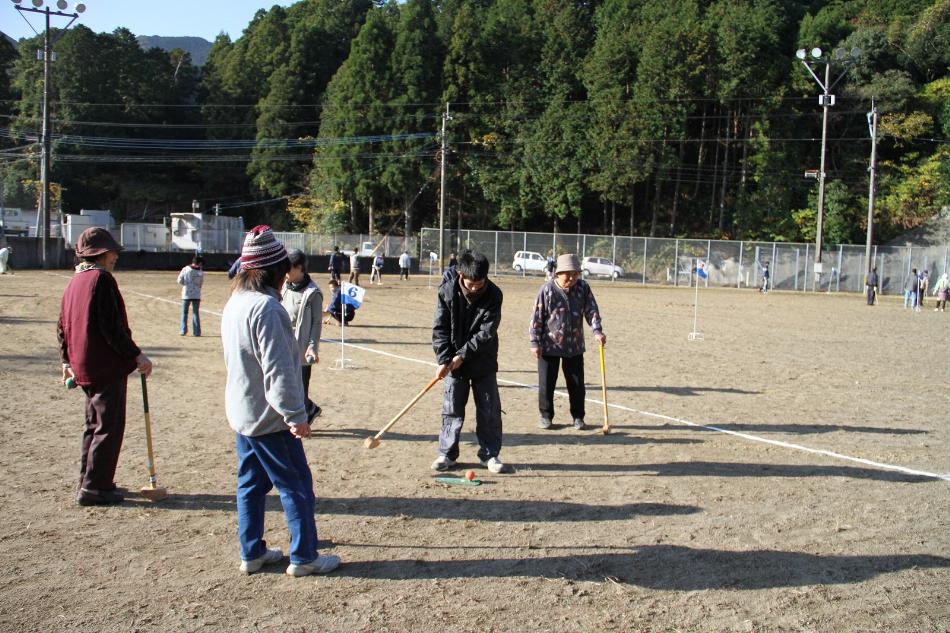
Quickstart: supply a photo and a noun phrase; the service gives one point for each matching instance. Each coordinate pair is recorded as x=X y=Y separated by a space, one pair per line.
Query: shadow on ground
x=461 y=508
x=664 y=567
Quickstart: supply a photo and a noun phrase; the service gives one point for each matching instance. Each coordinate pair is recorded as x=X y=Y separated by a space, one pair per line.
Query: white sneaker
x=322 y=565
x=494 y=465
x=442 y=463
x=268 y=557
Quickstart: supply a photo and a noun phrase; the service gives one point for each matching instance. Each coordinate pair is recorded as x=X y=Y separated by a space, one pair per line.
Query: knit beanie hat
x=261 y=249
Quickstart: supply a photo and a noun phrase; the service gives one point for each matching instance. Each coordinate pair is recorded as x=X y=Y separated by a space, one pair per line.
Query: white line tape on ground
x=745 y=436
x=620 y=407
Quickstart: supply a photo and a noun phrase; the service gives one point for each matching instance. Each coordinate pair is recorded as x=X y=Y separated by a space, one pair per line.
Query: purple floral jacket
x=557 y=325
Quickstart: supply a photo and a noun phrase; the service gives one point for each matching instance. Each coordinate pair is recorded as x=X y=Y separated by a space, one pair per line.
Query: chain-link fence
x=669 y=261
x=315 y=244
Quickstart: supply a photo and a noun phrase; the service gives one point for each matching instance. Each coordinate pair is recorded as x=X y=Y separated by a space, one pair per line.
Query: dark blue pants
x=265 y=461
x=487 y=415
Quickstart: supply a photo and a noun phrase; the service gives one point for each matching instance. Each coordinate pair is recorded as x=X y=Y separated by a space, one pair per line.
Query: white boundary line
x=660 y=416
x=745 y=436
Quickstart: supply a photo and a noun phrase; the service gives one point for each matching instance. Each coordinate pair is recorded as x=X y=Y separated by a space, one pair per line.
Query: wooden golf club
x=373 y=442
x=603 y=389
x=152 y=491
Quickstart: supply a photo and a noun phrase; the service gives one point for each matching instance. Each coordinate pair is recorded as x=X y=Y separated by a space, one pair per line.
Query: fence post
x=838 y=280
x=524 y=247
x=584 y=247
x=910 y=257
x=676 y=264
x=797 y=253
x=774 y=270
x=613 y=257
x=805 y=280
x=708 y=253
x=739 y=273
x=880 y=278
x=644 y=280
x=496 y=251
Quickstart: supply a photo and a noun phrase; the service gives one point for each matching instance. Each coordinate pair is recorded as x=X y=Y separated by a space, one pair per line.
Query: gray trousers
x=487 y=415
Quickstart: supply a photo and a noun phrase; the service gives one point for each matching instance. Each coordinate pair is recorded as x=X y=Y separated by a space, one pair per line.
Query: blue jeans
x=195 y=317
x=487 y=415
x=265 y=461
x=910 y=298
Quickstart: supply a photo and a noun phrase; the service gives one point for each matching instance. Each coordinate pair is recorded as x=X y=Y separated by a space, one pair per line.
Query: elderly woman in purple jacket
x=557 y=337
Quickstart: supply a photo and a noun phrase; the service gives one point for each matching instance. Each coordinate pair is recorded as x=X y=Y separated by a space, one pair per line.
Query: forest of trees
x=647 y=117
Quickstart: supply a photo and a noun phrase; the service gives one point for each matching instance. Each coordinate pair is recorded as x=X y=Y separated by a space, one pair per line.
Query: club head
x=605 y=431
x=371 y=442
x=154 y=494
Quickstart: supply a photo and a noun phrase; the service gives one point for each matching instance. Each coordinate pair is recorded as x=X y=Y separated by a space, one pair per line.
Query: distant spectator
x=922 y=288
x=336 y=264
x=354 y=268
x=942 y=291
x=765 y=277
x=870 y=286
x=191 y=279
x=911 y=284
x=549 y=268
x=378 y=262
x=404 y=263
x=4 y=260
x=453 y=260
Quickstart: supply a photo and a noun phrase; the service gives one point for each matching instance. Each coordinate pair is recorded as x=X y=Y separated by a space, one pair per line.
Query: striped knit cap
x=261 y=249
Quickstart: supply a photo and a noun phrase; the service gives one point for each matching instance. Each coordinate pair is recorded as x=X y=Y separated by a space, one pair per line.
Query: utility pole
x=826 y=99
x=445 y=148
x=46 y=140
x=872 y=128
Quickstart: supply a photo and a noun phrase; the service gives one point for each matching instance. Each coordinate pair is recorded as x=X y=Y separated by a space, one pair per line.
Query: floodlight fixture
x=17 y=1
x=856 y=52
x=37 y=3
x=61 y=5
x=80 y=7
x=801 y=54
x=816 y=53
x=840 y=53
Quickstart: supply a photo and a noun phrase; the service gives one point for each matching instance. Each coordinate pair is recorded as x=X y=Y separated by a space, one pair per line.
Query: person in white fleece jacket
x=265 y=405
x=190 y=279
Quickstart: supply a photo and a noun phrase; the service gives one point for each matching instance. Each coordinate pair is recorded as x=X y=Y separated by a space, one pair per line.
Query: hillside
x=197 y=46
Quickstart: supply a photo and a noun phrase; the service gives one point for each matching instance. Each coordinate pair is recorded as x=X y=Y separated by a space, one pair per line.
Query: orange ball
x=470 y=475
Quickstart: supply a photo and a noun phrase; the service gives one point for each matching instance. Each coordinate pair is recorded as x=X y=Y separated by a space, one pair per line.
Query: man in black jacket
x=465 y=340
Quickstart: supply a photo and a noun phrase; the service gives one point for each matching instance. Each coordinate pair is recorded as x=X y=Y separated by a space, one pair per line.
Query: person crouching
x=265 y=405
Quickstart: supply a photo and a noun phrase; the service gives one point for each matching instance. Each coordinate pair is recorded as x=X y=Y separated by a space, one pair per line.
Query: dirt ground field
x=660 y=526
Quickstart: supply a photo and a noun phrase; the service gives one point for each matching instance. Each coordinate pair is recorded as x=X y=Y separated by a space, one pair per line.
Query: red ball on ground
x=470 y=475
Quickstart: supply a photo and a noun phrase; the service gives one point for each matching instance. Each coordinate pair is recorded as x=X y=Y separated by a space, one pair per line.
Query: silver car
x=601 y=266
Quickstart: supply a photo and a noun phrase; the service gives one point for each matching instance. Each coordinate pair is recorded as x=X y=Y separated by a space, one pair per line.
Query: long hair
x=260 y=279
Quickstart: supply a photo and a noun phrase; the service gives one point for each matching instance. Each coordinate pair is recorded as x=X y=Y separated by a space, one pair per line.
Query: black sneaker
x=313 y=412
x=89 y=497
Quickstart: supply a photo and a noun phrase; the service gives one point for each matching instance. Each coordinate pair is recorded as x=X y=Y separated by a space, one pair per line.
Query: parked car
x=601 y=266
x=528 y=260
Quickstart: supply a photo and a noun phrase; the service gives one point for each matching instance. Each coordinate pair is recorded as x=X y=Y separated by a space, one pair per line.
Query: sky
x=203 y=18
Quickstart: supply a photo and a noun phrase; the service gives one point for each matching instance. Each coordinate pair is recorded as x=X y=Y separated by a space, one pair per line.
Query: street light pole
x=826 y=99
x=445 y=147
x=46 y=138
